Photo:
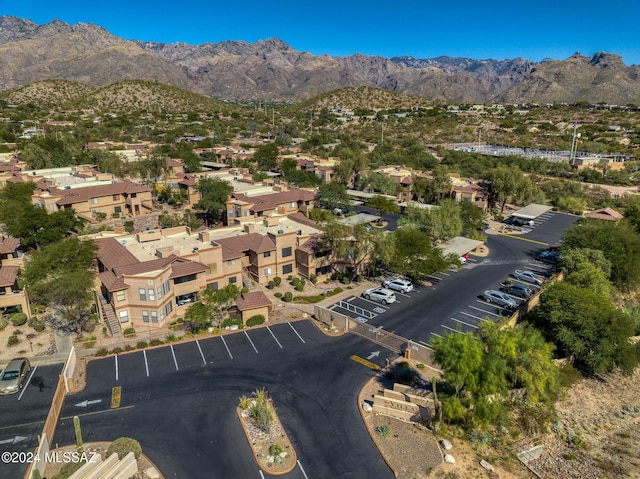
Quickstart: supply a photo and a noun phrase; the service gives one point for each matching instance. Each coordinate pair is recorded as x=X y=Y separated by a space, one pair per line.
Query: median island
x=269 y=442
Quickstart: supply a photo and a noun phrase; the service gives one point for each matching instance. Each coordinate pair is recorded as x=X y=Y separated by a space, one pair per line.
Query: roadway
x=179 y=402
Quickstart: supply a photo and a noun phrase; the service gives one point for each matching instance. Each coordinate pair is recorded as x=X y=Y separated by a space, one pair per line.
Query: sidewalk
x=357 y=291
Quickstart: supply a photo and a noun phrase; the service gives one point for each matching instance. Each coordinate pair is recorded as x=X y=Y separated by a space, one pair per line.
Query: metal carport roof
x=532 y=211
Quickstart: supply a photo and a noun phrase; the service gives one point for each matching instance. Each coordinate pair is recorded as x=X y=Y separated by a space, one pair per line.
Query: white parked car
x=381 y=295
x=529 y=276
x=499 y=298
x=398 y=284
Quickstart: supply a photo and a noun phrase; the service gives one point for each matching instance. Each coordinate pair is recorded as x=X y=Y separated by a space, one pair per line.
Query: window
x=166 y=287
x=154 y=316
x=266 y=254
x=213 y=268
x=152 y=294
x=184 y=279
x=162 y=314
x=232 y=280
x=116 y=197
x=230 y=214
x=117 y=209
x=213 y=286
x=145 y=315
x=124 y=316
x=267 y=271
x=120 y=296
x=159 y=291
x=287 y=268
x=93 y=201
x=247 y=213
x=168 y=308
x=143 y=294
x=292 y=204
x=286 y=251
x=231 y=262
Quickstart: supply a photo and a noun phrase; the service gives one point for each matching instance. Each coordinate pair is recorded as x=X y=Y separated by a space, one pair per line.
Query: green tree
x=414 y=255
x=587 y=328
x=266 y=156
x=214 y=194
x=36 y=228
x=619 y=243
x=383 y=204
x=218 y=301
x=14 y=199
x=60 y=277
x=333 y=195
x=198 y=316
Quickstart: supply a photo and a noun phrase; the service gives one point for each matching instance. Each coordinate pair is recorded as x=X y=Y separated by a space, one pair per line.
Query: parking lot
x=454 y=302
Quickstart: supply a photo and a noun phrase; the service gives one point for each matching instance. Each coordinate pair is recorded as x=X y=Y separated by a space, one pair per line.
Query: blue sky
x=496 y=29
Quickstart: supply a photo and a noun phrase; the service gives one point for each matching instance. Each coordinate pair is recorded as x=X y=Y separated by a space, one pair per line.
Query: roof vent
x=280 y=232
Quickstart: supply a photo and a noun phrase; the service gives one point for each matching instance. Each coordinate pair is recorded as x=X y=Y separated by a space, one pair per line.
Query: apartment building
x=151 y=277
x=279 y=202
x=11 y=261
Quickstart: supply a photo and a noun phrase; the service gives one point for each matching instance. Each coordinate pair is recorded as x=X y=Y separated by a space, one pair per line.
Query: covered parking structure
x=531 y=212
x=459 y=246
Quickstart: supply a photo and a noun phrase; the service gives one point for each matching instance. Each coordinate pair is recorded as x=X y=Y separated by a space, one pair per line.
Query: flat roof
x=459 y=245
x=532 y=211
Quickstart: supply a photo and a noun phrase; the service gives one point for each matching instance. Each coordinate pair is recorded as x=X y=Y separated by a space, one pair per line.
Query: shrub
x=288 y=296
x=18 y=319
x=255 y=320
x=271 y=284
x=277 y=280
x=313 y=278
x=123 y=446
x=129 y=332
x=295 y=282
x=89 y=342
x=3 y=323
x=230 y=322
x=156 y=342
x=116 y=350
x=345 y=280
x=90 y=324
x=244 y=290
x=38 y=325
x=275 y=449
x=128 y=347
x=13 y=340
x=383 y=430
x=170 y=338
x=102 y=352
x=278 y=295
x=141 y=344
x=129 y=227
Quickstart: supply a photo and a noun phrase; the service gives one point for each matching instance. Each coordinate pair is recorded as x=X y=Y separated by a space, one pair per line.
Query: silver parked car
x=381 y=295
x=398 y=284
x=499 y=298
x=529 y=276
x=14 y=375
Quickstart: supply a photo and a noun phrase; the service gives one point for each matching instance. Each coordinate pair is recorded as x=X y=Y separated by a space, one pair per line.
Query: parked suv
x=398 y=284
x=517 y=290
x=499 y=298
x=381 y=295
x=14 y=375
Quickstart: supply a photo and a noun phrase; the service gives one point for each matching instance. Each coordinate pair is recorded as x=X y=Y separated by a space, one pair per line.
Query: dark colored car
x=516 y=289
x=549 y=256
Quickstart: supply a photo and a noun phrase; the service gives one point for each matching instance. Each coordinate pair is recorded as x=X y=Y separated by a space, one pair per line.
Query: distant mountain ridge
x=270 y=69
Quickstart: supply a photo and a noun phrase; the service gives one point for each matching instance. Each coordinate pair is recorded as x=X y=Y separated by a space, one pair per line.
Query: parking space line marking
x=402 y=294
x=261 y=475
x=434 y=277
x=475 y=317
x=254 y=346
x=350 y=299
x=466 y=324
x=28 y=381
x=116 y=359
x=93 y=413
x=302 y=469
x=523 y=239
x=274 y=337
x=146 y=363
x=373 y=302
x=436 y=334
x=225 y=345
x=484 y=310
x=451 y=329
x=446 y=274
x=175 y=361
x=294 y=330
x=425 y=344
x=204 y=360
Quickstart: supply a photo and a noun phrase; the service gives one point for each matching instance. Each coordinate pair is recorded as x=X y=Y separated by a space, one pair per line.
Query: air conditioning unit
x=280 y=232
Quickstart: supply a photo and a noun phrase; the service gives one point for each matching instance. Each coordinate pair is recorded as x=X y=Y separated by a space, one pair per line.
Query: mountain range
x=272 y=70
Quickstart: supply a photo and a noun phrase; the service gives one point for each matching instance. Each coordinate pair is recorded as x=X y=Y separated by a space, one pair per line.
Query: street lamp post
x=574 y=145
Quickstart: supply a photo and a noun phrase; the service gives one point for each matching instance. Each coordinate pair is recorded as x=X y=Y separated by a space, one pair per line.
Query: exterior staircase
x=247 y=282
x=109 y=317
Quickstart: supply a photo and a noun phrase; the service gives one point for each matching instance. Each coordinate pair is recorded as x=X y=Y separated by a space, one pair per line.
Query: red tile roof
x=114 y=255
x=8 y=245
x=81 y=195
x=112 y=282
x=604 y=214
x=267 y=202
x=252 y=300
x=8 y=275
x=248 y=242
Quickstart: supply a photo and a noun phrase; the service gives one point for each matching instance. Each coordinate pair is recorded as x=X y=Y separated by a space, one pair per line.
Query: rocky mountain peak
x=603 y=59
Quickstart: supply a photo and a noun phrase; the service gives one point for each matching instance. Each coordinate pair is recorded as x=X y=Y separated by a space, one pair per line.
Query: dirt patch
x=31 y=343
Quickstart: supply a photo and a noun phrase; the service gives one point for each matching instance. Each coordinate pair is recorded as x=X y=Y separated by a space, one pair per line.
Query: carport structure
x=531 y=212
x=459 y=246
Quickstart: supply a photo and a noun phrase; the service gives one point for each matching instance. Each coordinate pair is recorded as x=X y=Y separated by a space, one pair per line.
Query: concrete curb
x=255 y=454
